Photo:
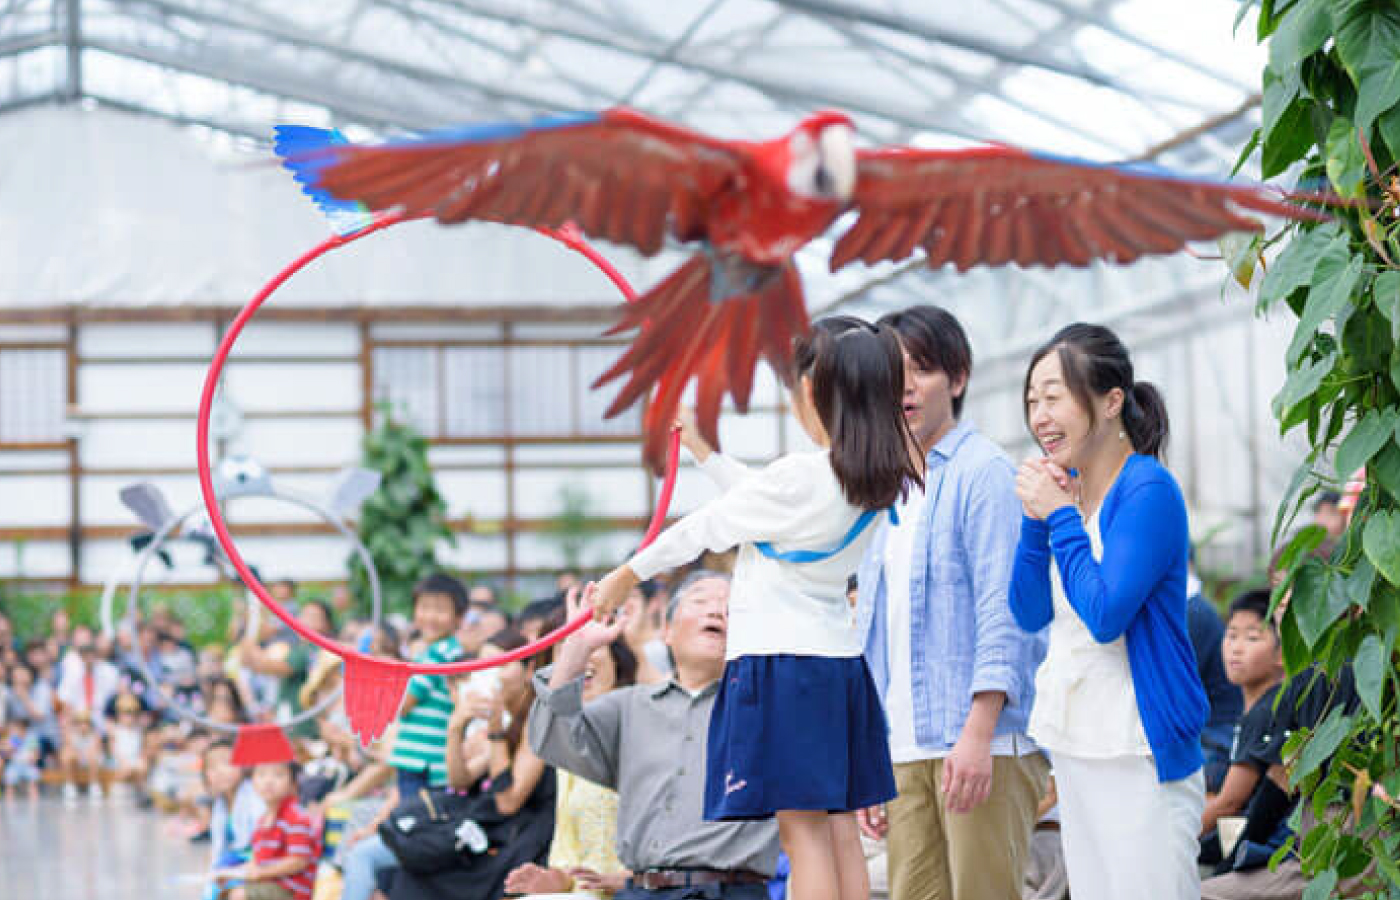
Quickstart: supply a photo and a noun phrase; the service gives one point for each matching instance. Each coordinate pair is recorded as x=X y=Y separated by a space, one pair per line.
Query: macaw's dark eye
x=824 y=183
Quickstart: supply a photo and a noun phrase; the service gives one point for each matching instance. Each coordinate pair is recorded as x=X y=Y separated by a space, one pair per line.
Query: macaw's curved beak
x=836 y=167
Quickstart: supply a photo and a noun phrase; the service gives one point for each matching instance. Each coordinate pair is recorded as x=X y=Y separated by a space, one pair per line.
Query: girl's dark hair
x=857 y=373
x=1095 y=362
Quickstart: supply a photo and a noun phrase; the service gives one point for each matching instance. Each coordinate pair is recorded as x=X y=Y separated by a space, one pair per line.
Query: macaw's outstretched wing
x=996 y=205
x=618 y=175
x=710 y=321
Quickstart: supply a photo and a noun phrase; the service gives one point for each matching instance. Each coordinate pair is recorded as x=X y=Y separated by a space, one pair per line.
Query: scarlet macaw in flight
x=749 y=206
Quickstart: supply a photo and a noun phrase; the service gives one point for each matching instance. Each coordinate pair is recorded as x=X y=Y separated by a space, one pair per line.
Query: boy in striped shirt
x=286 y=843
x=420 y=747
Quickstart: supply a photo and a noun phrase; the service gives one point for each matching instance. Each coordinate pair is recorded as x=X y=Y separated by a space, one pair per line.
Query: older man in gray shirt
x=648 y=743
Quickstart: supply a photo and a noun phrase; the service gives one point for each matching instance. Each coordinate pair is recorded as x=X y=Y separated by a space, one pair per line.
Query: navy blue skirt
x=796 y=732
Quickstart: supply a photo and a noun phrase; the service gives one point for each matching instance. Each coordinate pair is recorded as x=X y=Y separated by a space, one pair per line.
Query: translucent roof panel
x=1103 y=79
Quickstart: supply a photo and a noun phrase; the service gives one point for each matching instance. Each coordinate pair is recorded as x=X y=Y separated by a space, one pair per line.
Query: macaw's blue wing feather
x=301 y=148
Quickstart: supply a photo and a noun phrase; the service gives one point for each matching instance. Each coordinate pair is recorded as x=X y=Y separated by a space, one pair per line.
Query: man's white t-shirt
x=899 y=694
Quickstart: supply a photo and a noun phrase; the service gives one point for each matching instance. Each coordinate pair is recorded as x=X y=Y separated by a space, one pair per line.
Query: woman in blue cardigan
x=1102 y=563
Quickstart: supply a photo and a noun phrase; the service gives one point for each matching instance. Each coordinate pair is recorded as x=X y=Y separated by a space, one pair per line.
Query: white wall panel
x=298 y=339
x=301 y=386
x=33 y=559
x=146 y=339
x=288 y=442
x=125 y=387
x=479 y=494
x=34 y=500
x=146 y=444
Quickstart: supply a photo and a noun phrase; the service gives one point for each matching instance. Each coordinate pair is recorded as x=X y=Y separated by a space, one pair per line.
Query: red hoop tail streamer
x=374 y=687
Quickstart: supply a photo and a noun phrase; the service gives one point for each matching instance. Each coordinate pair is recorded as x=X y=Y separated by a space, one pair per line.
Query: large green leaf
x=1346 y=164
x=1321 y=886
x=1370 y=668
x=1321 y=744
x=1319 y=597
x=1280 y=90
x=1290 y=139
x=1381 y=540
x=1296 y=264
x=1296 y=656
x=1385 y=468
x=1386 y=291
x=1302 y=382
x=1334 y=281
x=1359 y=583
x=1389 y=127
x=1365 y=440
x=1302 y=32
x=1292 y=499
x=1368 y=43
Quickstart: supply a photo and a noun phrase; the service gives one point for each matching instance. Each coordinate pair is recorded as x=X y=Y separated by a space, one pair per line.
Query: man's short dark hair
x=935 y=340
x=442 y=583
x=1327 y=498
x=540 y=609
x=1257 y=602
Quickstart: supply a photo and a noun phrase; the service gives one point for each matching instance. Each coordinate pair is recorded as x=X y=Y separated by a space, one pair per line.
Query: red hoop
x=374 y=687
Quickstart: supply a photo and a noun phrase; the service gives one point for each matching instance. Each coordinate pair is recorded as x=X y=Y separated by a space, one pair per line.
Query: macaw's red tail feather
x=686 y=333
x=373 y=694
x=261 y=742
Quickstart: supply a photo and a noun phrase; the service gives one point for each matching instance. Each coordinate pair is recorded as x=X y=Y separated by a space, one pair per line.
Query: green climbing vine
x=1331 y=106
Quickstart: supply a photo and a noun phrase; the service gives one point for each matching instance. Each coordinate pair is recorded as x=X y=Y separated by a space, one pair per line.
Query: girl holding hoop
x=797 y=729
x=1102 y=562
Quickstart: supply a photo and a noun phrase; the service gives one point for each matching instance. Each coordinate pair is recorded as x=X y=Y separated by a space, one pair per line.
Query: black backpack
x=439 y=829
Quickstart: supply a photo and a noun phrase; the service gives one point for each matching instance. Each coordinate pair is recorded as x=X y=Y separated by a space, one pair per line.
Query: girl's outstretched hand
x=610 y=593
x=690 y=435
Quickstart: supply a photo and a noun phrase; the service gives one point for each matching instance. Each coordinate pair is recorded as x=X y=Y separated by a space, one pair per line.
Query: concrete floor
x=111 y=851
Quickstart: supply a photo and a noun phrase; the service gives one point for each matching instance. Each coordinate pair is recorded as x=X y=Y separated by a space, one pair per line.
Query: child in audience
x=439 y=602
x=125 y=740
x=286 y=844
x=234 y=815
x=81 y=757
x=19 y=759
x=1254 y=662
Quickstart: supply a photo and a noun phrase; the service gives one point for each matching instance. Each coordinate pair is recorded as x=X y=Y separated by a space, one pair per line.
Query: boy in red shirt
x=286 y=844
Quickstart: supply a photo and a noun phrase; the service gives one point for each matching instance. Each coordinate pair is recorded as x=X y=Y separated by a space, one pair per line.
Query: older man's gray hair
x=686 y=584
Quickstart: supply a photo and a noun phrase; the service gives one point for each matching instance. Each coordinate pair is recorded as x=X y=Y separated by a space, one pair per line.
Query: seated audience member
x=1327 y=512
x=1207 y=631
x=288 y=659
x=80 y=757
x=19 y=759
x=234 y=815
x=126 y=737
x=531 y=621
x=478 y=625
x=583 y=854
x=647 y=742
x=482 y=597
x=1253 y=662
x=1304 y=701
x=639 y=634
x=515 y=790
x=286 y=843
x=87 y=681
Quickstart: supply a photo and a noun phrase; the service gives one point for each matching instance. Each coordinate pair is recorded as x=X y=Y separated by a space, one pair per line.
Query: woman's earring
x=1122 y=435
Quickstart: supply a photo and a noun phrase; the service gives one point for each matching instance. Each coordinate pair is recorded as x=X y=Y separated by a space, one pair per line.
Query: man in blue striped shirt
x=956 y=674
